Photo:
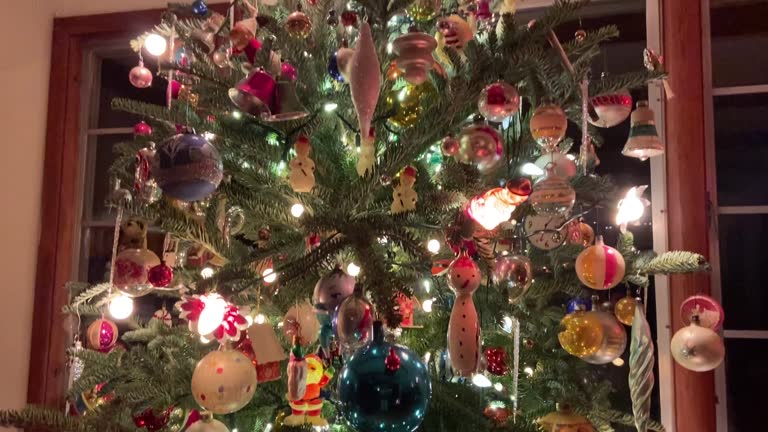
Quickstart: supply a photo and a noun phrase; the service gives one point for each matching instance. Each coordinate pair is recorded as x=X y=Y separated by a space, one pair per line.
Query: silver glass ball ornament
x=514 y=274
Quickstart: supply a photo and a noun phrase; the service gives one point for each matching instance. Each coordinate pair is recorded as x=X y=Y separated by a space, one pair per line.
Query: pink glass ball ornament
x=140 y=76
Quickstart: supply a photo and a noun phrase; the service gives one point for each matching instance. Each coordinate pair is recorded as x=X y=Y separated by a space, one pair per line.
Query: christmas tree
x=330 y=196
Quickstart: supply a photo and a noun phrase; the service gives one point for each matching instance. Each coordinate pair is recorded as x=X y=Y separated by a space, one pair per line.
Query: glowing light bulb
x=212 y=314
x=426 y=305
x=528 y=371
x=260 y=319
x=206 y=272
x=155 y=44
x=506 y=324
x=632 y=207
x=390 y=47
x=237 y=115
x=427 y=356
x=268 y=428
x=531 y=169
x=121 y=307
x=353 y=269
x=330 y=106
x=433 y=246
x=481 y=381
x=297 y=210
x=269 y=275
x=498 y=387
x=618 y=361
x=209 y=135
x=204 y=339
x=427 y=285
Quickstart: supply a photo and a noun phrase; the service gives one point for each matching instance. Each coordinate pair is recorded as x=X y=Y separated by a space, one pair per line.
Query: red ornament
x=288 y=72
x=498 y=414
x=313 y=240
x=392 y=362
x=349 y=18
x=142 y=129
x=175 y=89
x=497 y=361
x=151 y=421
x=160 y=276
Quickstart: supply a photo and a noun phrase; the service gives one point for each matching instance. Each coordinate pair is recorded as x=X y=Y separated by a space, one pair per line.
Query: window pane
x=114 y=83
x=101 y=156
x=746 y=366
x=739 y=37
x=741 y=147
x=742 y=260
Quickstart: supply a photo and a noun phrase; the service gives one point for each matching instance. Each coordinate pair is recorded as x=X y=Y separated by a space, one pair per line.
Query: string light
x=433 y=246
x=618 y=361
x=528 y=371
x=260 y=319
x=531 y=169
x=212 y=314
x=330 y=107
x=481 y=381
x=632 y=207
x=427 y=285
x=206 y=272
x=297 y=210
x=269 y=275
x=155 y=44
x=506 y=324
x=210 y=136
x=353 y=269
x=498 y=387
x=121 y=307
x=237 y=115
x=426 y=305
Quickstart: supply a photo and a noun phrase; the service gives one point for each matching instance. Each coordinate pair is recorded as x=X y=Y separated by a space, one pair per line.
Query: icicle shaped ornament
x=641 y=378
x=365 y=79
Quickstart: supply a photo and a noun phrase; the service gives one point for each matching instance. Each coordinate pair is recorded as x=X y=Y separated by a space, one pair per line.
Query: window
x=737 y=159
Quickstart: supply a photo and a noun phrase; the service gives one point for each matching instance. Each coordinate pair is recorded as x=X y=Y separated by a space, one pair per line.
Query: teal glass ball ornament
x=379 y=394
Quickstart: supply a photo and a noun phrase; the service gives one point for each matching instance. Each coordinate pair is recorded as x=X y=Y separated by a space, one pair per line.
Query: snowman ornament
x=302 y=176
x=404 y=196
x=463 y=327
x=367 y=155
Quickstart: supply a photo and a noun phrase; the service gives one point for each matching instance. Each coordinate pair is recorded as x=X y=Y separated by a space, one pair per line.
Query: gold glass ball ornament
x=697 y=348
x=625 y=309
x=582 y=334
x=600 y=267
x=614 y=340
x=224 y=381
x=548 y=125
x=407 y=104
x=298 y=24
x=564 y=420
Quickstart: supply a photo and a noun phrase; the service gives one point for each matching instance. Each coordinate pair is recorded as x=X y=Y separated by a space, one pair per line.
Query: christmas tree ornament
x=222 y=54
x=254 y=95
x=498 y=102
x=364 y=78
x=164 y=316
x=140 y=76
x=564 y=164
x=552 y=194
x=455 y=30
x=373 y=397
x=697 y=348
x=614 y=340
x=463 y=328
x=449 y=146
x=498 y=414
x=332 y=19
x=343 y=61
x=392 y=362
x=600 y=267
x=160 y=276
x=544 y=231
x=297 y=372
x=548 y=125
x=580 y=35
x=495 y=206
x=302 y=167
x=641 y=363
x=268 y=353
x=414 y=55
x=131 y=275
x=332 y=289
x=580 y=232
x=708 y=311
x=224 y=381
x=307 y=409
x=142 y=129
x=298 y=24
x=407 y=104
x=404 y=196
x=405 y=307
x=286 y=104
x=146 y=187
x=188 y=167
x=199 y=7
x=582 y=335
x=151 y=420
x=301 y=320
x=564 y=420
x=611 y=109
x=102 y=335
x=625 y=309
x=353 y=322
x=349 y=18
x=480 y=145
x=207 y=425
x=288 y=72
x=643 y=141
x=366 y=157
x=578 y=303
x=497 y=361
x=243 y=32
x=513 y=274
x=423 y=10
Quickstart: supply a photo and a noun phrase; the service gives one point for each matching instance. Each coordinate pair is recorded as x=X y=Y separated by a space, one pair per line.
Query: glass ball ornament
x=131 y=273
x=353 y=322
x=152 y=420
x=349 y=18
x=548 y=125
x=480 y=145
x=498 y=102
x=140 y=76
x=708 y=311
x=564 y=420
x=582 y=334
x=513 y=274
x=102 y=335
x=614 y=340
x=600 y=267
x=160 y=276
x=188 y=167
x=332 y=289
x=449 y=146
x=373 y=397
x=332 y=19
x=199 y=7
x=578 y=303
x=697 y=348
x=207 y=425
x=496 y=359
x=625 y=310
x=552 y=195
x=301 y=320
x=298 y=24
x=142 y=129
x=580 y=232
x=612 y=109
x=407 y=103
x=224 y=381
x=564 y=164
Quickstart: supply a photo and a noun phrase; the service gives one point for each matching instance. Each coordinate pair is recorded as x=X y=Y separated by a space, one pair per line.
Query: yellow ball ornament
x=582 y=334
x=407 y=102
x=564 y=420
x=600 y=267
x=224 y=381
x=625 y=310
x=422 y=10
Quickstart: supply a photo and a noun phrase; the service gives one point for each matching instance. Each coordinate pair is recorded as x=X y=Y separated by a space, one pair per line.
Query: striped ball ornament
x=600 y=267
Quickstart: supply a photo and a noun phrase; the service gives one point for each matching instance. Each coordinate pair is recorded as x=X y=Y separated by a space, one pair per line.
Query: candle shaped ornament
x=463 y=327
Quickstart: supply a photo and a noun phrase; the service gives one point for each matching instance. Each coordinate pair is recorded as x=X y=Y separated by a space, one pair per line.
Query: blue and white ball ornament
x=384 y=387
x=200 y=8
x=579 y=303
x=188 y=167
x=333 y=68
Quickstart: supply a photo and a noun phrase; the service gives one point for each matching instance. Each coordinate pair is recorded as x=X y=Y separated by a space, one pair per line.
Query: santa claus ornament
x=463 y=327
